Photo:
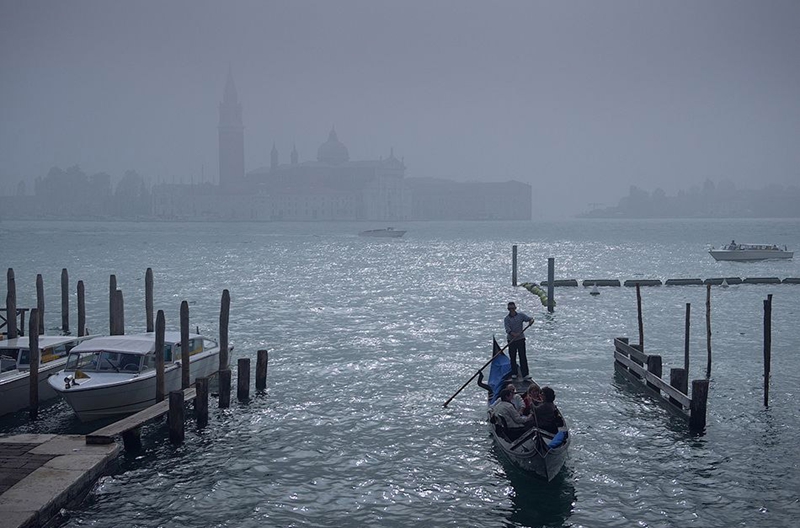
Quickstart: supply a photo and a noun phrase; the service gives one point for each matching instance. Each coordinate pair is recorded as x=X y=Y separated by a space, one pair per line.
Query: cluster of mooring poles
x=173 y=404
x=631 y=359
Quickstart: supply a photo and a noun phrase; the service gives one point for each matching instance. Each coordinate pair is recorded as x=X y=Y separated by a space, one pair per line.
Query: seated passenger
x=505 y=408
x=517 y=399
x=532 y=398
x=546 y=414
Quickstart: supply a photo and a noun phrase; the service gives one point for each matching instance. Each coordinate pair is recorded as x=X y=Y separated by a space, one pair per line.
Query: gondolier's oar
x=483 y=367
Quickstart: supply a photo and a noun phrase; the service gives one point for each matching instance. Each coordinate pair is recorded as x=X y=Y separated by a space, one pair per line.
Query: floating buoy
x=594 y=291
x=724 y=283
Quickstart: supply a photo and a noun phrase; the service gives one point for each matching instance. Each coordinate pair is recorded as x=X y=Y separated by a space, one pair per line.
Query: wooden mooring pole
x=639 y=315
x=551 y=277
x=40 y=302
x=81 y=309
x=243 y=380
x=678 y=378
x=698 y=405
x=514 y=265
x=160 y=329
x=112 y=287
x=186 y=350
x=767 y=346
x=148 y=299
x=261 y=369
x=118 y=313
x=11 y=305
x=201 y=401
x=686 y=338
x=33 y=350
x=65 y=301
x=224 y=369
x=175 y=417
x=224 y=316
x=708 y=330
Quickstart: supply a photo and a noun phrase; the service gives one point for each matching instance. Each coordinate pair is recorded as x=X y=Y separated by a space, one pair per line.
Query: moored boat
x=15 y=367
x=745 y=252
x=116 y=375
x=534 y=450
x=388 y=232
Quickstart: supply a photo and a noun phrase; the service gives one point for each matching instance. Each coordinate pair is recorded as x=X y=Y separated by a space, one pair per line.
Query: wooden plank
x=683 y=399
x=633 y=366
x=107 y=433
x=627 y=349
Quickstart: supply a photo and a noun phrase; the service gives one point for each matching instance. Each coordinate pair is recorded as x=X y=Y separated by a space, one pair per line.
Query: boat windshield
x=104 y=362
x=48 y=354
x=7 y=362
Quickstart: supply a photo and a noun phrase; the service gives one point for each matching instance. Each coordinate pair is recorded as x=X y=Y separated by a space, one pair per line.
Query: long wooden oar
x=483 y=367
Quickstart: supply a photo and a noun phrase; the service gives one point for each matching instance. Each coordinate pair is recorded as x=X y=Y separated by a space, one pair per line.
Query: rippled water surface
x=368 y=338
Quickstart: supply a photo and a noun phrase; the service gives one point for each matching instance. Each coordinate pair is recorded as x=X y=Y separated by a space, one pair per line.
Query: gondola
x=535 y=451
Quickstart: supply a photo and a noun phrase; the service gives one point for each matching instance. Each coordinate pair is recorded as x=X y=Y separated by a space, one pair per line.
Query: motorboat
x=744 y=252
x=15 y=368
x=535 y=451
x=114 y=376
x=388 y=232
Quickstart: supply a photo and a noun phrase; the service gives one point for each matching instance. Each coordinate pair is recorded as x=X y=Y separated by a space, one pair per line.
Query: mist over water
x=368 y=338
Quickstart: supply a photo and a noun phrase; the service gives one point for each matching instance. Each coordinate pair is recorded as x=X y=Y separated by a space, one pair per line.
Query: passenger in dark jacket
x=546 y=414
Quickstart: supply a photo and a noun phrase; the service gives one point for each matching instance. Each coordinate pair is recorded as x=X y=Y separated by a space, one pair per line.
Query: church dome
x=333 y=150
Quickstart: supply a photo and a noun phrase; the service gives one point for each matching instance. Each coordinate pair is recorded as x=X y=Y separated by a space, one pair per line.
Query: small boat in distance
x=15 y=368
x=745 y=252
x=116 y=375
x=388 y=232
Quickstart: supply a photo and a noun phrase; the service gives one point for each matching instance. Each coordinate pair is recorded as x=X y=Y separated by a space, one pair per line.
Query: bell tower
x=231 y=139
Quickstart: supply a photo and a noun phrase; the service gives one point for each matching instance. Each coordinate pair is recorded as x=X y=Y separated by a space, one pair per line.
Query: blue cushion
x=557 y=440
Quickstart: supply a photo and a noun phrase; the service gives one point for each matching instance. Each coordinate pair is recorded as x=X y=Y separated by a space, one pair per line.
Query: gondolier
x=516 y=341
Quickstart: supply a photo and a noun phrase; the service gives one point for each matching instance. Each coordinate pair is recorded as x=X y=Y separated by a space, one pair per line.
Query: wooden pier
x=646 y=369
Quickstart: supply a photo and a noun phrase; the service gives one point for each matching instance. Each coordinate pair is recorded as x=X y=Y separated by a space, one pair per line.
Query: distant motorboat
x=745 y=252
x=388 y=232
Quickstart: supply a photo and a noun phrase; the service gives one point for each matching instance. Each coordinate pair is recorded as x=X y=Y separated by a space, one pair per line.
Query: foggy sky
x=580 y=99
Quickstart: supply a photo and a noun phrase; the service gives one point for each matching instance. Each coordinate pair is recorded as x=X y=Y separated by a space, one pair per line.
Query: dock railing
x=646 y=369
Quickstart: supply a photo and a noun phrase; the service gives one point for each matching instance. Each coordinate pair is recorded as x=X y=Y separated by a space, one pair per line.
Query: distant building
x=231 y=140
x=330 y=188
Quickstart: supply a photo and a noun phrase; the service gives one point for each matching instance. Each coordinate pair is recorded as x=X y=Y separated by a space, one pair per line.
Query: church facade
x=332 y=187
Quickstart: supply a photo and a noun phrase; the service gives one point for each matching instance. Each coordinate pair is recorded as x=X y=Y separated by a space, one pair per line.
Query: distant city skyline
x=579 y=99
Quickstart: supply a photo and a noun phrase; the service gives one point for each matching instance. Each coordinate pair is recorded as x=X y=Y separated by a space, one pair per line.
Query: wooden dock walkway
x=127 y=427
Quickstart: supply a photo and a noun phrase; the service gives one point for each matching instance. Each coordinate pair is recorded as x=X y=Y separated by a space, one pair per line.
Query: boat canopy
x=129 y=344
x=134 y=344
x=44 y=342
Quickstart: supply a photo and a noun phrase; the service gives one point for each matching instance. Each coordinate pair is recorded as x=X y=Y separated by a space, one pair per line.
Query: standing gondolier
x=516 y=340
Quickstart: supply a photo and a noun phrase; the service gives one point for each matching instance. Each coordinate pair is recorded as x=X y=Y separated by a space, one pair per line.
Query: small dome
x=332 y=151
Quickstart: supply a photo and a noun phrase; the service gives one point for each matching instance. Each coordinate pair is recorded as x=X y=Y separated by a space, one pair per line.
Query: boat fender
x=557 y=440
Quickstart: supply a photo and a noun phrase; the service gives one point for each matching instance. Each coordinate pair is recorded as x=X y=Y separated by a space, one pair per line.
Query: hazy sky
x=580 y=99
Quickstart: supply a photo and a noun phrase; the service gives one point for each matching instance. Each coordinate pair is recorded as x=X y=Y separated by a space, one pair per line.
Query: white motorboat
x=15 y=367
x=388 y=232
x=116 y=375
x=744 y=252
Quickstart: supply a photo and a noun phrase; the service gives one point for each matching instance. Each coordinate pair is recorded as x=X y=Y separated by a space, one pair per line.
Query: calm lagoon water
x=368 y=338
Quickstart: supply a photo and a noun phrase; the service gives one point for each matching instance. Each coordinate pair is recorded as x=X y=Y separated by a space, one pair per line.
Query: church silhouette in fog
x=331 y=187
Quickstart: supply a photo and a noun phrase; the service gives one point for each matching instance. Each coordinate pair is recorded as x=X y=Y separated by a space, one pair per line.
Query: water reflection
x=535 y=501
